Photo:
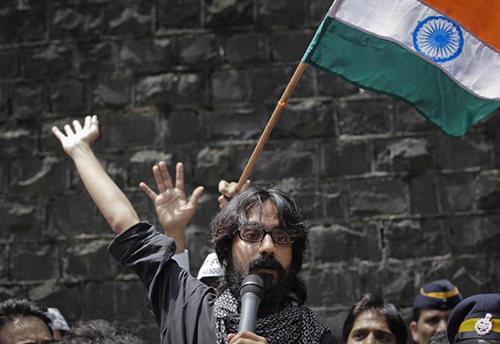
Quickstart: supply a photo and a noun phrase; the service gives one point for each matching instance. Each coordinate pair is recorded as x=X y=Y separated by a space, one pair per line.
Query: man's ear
x=414 y=332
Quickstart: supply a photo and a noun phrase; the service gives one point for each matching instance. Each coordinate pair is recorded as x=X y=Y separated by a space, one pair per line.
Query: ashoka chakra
x=438 y=38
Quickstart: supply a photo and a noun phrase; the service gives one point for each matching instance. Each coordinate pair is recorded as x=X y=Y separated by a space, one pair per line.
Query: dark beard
x=275 y=292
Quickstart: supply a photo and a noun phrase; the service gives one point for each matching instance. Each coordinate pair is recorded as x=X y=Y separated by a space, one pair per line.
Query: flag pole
x=272 y=122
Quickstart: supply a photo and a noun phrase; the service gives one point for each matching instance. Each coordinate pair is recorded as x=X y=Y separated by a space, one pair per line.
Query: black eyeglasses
x=257 y=234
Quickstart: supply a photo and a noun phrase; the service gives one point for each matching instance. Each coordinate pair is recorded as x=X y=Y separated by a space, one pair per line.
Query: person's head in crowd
x=264 y=232
x=475 y=320
x=439 y=338
x=431 y=308
x=23 y=321
x=211 y=271
x=99 y=332
x=58 y=323
x=373 y=321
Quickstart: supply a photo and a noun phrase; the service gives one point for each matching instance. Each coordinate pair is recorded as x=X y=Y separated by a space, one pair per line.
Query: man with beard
x=260 y=231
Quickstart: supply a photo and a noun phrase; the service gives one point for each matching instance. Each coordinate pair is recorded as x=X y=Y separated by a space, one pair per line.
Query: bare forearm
x=178 y=236
x=111 y=201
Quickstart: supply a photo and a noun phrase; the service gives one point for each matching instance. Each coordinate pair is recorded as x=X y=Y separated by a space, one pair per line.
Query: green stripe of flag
x=380 y=65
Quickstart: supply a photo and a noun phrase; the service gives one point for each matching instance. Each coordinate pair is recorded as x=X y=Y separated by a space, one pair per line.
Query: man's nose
x=267 y=245
x=370 y=339
x=441 y=326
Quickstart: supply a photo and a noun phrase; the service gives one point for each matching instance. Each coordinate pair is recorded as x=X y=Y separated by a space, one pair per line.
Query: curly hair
x=228 y=221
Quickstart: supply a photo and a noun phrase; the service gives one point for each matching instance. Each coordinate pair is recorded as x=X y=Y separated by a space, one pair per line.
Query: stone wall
x=393 y=202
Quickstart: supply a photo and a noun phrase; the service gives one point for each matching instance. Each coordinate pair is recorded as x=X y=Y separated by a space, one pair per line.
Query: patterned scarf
x=292 y=324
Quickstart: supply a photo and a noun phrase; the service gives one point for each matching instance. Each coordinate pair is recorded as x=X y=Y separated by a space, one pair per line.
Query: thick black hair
x=99 y=332
x=376 y=303
x=228 y=221
x=12 y=309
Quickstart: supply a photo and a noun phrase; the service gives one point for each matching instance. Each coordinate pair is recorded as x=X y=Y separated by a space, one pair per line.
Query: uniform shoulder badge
x=484 y=325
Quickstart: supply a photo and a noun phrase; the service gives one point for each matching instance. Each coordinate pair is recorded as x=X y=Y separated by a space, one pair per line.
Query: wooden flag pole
x=270 y=125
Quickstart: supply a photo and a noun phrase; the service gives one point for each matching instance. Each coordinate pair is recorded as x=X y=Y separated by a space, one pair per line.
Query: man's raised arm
x=111 y=201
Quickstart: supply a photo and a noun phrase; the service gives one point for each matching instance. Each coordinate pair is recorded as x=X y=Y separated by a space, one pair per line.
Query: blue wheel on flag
x=438 y=38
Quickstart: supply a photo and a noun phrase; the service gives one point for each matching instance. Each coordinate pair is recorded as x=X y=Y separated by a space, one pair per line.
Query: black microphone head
x=252 y=284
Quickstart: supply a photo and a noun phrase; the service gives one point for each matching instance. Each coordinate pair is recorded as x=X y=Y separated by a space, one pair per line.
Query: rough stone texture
x=392 y=201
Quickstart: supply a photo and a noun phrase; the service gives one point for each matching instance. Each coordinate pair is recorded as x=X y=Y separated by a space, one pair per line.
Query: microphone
x=251 y=293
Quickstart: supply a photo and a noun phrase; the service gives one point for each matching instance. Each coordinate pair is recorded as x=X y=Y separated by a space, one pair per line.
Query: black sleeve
x=328 y=338
x=148 y=253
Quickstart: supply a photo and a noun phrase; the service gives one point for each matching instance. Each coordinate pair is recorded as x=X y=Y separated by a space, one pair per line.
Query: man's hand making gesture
x=173 y=209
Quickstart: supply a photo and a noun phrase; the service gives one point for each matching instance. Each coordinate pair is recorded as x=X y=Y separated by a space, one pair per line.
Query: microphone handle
x=249 y=306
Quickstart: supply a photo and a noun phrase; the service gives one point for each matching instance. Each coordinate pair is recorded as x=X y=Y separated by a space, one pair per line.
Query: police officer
x=476 y=320
x=431 y=308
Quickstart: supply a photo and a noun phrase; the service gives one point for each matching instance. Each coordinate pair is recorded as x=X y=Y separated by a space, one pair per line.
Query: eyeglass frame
x=293 y=237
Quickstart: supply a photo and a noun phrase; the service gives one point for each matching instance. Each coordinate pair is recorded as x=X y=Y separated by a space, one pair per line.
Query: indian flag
x=442 y=56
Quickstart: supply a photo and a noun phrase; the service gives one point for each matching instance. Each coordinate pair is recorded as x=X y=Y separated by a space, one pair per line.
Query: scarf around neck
x=292 y=324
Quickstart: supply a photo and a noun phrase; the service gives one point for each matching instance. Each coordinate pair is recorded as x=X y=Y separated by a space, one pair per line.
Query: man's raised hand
x=173 y=209
x=77 y=137
x=229 y=190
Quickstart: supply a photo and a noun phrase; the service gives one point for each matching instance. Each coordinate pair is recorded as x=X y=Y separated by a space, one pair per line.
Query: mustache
x=265 y=262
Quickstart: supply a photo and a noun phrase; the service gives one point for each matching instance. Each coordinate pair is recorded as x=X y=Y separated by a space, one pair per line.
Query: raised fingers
x=58 y=133
x=179 y=176
x=165 y=175
x=158 y=178
x=147 y=190
x=68 y=130
x=77 y=126
x=195 y=196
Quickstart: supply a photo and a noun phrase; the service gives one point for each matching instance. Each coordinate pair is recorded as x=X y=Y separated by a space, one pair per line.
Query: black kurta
x=182 y=305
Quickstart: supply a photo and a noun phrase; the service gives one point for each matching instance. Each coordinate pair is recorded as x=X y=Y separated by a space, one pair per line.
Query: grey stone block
x=97 y=59
x=88 y=258
x=68 y=23
x=68 y=97
x=183 y=127
x=280 y=13
x=411 y=154
x=23 y=26
x=288 y=45
x=28 y=100
x=230 y=86
x=365 y=117
x=74 y=215
x=38 y=176
x=306 y=119
x=212 y=164
x=22 y=219
x=407 y=119
x=65 y=297
x=468 y=151
x=413 y=238
x=133 y=19
x=377 y=196
x=199 y=50
x=352 y=241
x=423 y=194
x=345 y=158
x=122 y=131
x=455 y=192
x=146 y=55
x=100 y=300
x=331 y=85
x=16 y=140
x=49 y=61
x=222 y=13
x=322 y=204
x=141 y=164
x=113 y=93
x=473 y=235
x=170 y=88
x=10 y=64
x=178 y=14
x=486 y=188
x=234 y=123
x=34 y=262
x=246 y=48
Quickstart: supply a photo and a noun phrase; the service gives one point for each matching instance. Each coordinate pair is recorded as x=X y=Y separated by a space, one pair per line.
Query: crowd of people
x=259 y=231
